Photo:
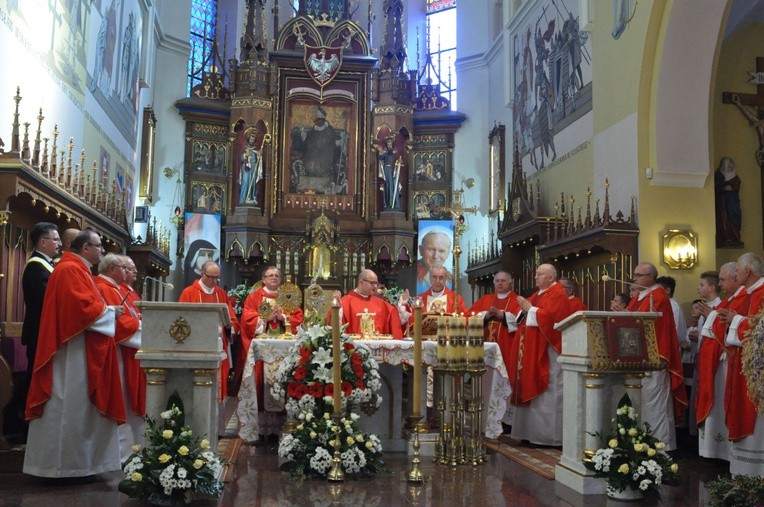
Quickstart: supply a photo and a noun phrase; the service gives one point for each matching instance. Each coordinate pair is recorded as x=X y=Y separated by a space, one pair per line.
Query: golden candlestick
x=414 y=474
x=336 y=473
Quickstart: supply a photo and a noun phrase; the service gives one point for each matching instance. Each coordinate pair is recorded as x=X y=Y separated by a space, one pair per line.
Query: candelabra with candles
x=459 y=377
x=414 y=474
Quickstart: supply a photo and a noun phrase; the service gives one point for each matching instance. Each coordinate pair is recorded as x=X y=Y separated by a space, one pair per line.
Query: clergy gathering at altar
x=399 y=252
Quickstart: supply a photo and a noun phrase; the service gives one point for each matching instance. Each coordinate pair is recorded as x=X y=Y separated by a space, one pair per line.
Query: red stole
x=528 y=365
x=72 y=303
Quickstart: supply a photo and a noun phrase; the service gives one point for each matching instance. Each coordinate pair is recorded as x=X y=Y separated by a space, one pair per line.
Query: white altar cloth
x=496 y=388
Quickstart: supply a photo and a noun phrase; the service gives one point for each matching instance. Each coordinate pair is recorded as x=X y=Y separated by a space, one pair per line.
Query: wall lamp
x=679 y=248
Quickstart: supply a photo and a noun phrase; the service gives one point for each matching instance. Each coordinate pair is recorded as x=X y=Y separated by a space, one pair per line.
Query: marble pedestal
x=181 y=351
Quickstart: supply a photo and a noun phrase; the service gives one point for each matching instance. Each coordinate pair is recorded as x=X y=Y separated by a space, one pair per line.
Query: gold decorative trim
x=156 y=382
x=593 y=375
x=594 y=386
x=202 y=383
x=633 y=386
x=156 y=371
x=180 y=330
x=204 y=372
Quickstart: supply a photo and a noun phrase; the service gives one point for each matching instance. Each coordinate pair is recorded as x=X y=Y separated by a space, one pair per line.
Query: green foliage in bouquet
x=736 y=491
x=633 y=458
x=392 y=294
x=174 y=462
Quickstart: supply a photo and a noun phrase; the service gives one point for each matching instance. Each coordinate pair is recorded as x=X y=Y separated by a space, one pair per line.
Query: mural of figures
x=551 y=74
x=318 y=147
x=729 y=215
x=250 y=169
x=114 y=61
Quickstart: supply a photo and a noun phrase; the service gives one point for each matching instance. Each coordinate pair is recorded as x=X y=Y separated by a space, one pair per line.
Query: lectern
x=604 y=354
x=181 y=350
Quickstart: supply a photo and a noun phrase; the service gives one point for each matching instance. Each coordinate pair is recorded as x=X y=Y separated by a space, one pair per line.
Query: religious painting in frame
x=430 y=166
x=626 y=339
x=497 y=170
x=202 y=243
x=436 y=239
x=320 y=158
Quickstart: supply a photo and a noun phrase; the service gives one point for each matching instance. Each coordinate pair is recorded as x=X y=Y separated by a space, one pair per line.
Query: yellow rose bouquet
x=632 y=459
x=174 y=465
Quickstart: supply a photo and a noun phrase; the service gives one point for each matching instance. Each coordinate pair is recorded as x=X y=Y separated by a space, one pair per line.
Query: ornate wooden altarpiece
x=583 y=244
x=326 y=139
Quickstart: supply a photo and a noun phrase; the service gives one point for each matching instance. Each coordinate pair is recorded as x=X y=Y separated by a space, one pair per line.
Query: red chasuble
x=576 y=305
x=496 y=331
x=127 y=325
x=528 y=364
x=386 y=319
x=249 y=317
x=740 y=411
x=72 y=303
x=194 y=294
x=668 y=343
x=709 y=356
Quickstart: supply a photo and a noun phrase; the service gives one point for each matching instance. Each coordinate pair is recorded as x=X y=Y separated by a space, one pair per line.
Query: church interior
x=328 y=137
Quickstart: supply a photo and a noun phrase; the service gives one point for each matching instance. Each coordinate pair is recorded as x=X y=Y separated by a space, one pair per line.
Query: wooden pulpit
x=181 y=350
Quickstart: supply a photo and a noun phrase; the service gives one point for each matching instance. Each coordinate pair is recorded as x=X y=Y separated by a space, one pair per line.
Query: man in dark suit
x=36 y=273
x=46 y=243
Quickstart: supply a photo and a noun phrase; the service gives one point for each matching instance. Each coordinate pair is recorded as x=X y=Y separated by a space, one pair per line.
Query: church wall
x=733 y=136
x=481 y=98
x=52 y=54
x=663 y=202
x=171 y=85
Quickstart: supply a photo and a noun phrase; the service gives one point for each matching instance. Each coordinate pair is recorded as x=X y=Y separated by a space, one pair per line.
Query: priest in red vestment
x=713 y=436
x=499 y=311
x=75 y=398
x=111 y=274
x=574 y=301
x=206 y=290
x=534 y=373
x=253 y=325
x=746 y=427
x=658 y=387
x=362 y=299
x=437 y=299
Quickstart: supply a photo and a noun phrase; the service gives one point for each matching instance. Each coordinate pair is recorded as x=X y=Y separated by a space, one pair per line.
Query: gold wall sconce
x=679 y=248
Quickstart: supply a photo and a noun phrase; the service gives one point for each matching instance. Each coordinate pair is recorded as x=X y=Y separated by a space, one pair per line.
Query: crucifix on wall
x=752 y=108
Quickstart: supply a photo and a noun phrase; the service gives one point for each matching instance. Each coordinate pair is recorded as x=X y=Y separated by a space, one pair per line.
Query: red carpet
x=539 y=460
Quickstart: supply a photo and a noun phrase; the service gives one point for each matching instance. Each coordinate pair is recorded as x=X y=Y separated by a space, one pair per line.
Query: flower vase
x=626 y=494
x=176 y=500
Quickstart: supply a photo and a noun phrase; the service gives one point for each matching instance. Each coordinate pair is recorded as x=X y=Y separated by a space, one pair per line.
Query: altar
x=389 y=354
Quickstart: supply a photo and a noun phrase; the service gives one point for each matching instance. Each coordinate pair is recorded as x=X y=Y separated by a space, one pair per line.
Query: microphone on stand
x=165 y=285
x=606 y=278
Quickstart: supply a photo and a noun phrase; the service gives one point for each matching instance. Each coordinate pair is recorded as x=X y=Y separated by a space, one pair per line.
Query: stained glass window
x=441 y=33
x=203 y=22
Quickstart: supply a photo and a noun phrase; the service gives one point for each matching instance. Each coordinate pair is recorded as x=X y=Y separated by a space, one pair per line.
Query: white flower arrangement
x=633 y=458
x=175 y=461
x=305 y=380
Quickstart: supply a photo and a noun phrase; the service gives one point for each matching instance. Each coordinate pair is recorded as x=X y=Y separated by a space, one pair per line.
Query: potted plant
x=174 y=465
x=729 y=491
x=632 y=461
